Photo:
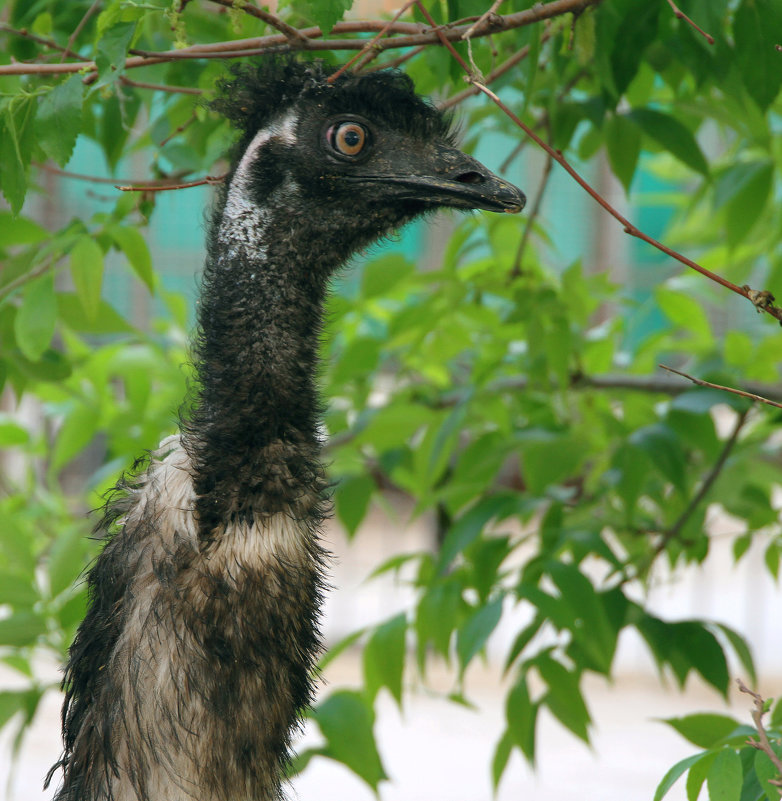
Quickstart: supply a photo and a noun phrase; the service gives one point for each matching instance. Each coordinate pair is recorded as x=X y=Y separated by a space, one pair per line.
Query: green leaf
x=87 y=273
x=324 y=13
x=704 y=730
x=66 y=560
x=591 y=627
x=623 y=143
x=741 y=649
x=11 y=432
x=11 y=702
x=112 y=50
x=470 y=525
x=697 y=774
x=637 y=29
x=74 y=435
x=757 y=28
x=134 y=246
x=725 y=776
x=521 y=715
x=16 y=147
x=766 y=771
x=673 y=775
x=662 y=447
x=776 y=714
x=564 y=697
x=106 y=321
x=672 y=135
x=34 y=323
x=20 y=230
x=474 y=633
x=18 y=590
x=59 y=120
x=352 y=498
x=744 y=189
x=500 y=760
x=684 y=311
x=384 y=658
x=346 y=721
x=21 y=628
x=380 y=275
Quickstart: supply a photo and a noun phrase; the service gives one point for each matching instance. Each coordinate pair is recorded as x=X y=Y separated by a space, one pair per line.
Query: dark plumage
x=194 y=662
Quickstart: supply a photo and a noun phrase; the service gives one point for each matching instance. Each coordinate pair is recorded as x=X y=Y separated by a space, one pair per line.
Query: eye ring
x=348 y=138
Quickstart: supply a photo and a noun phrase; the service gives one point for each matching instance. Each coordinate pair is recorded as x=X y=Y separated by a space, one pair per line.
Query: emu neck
x=253 y=435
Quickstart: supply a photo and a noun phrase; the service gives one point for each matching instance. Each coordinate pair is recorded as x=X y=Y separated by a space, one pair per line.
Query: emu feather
x=194 y=662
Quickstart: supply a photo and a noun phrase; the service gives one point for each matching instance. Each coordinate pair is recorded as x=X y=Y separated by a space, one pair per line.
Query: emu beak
x=460 y=181
x=445 y=176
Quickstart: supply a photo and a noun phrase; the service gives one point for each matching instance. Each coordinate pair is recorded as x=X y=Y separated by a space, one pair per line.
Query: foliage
x=521 y=411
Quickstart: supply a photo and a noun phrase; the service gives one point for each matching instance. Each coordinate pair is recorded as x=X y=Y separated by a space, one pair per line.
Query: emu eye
x=348 y=138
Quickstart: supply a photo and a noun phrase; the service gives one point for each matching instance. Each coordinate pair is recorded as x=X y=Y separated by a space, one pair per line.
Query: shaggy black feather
x=193 y=666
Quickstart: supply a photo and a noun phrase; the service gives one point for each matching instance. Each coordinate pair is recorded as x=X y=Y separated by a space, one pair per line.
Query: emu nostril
x=470 y=178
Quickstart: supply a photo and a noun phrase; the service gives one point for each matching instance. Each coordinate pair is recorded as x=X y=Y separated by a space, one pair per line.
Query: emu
x=194 y=663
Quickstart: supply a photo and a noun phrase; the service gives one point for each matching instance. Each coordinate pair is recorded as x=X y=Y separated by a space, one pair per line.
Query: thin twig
x=506 y=65
x=681 y=15
x=701 y=383
x=707 y=483
x=369 y=46
x=21 y=280
x=95 y=179
x=531 y=217
x=80 y=27
x=477 y=24
x=159 y=87
x=762 y=743
x=186 y=124
x=292 y=34
x=399 y=60
x=629 y=228
x=159 y=187
x=42 y=40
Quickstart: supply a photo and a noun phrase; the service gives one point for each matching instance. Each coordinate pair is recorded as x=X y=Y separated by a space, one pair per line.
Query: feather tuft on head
x=251 y=96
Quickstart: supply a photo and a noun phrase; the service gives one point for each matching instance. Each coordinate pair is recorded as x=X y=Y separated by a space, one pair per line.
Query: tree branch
x=701 y=383
x=762 y=743
x=673 y=532
x=681 y=15
x=761 y=299
x=80 y=27
x=410 y=35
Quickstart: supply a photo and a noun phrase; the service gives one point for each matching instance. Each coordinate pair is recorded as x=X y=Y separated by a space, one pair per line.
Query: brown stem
x=94 y=179
x=762 y=743
x=21 y=280
x=80 y=27
x=675 y=530
x=477 y=24
x=293 y=35
x=158 y=87
x=186 y=124
x=161 y=187
x=701 y=383
x=506 y=65
x=50 y=43
x=531 y=217
x=681 y=15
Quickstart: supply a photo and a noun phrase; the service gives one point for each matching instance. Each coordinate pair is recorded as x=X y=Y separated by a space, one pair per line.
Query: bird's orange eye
x=348 y=138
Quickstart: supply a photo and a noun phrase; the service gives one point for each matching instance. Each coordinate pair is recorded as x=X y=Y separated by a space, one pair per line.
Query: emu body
x=194 y=663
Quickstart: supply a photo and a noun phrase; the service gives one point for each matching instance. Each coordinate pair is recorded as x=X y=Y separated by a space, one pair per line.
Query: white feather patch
x=244 y=221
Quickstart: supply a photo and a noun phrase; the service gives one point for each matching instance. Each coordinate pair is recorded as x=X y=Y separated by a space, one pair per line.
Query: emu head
x=356 y=157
